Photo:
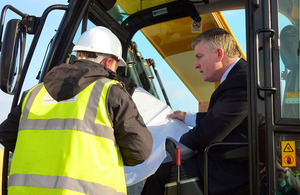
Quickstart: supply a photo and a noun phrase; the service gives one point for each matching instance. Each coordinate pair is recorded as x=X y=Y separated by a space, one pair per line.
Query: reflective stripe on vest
x=68 y=146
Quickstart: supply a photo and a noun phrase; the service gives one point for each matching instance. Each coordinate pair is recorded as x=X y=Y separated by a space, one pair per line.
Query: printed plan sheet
x=154 y=113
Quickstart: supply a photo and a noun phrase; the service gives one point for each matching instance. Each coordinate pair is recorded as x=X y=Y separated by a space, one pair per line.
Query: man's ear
x=221 y=54
x=109 y=63
x=106 y=62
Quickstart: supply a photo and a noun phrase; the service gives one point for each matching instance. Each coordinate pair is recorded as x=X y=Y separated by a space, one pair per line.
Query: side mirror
x=12 y=54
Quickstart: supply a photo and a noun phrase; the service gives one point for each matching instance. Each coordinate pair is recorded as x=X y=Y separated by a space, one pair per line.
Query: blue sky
x=179 y=101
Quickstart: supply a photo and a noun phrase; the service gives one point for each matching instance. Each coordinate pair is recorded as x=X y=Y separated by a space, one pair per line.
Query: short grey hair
x=219 y=38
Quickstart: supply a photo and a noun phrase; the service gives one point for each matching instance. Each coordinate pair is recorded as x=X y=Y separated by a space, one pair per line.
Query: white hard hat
x=100 y=40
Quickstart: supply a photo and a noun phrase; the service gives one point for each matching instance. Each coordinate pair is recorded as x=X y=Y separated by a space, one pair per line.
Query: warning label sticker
x=288 y=159
x=292 y=97
x=288 y=153
x=196 y=27
x=288 y=148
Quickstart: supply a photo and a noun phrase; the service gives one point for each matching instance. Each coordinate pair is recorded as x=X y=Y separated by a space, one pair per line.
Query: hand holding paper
x=155 y=115
x=180 y=115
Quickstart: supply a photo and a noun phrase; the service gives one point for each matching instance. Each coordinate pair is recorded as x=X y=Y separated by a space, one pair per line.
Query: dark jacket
x=65 y=81
x=225 y=121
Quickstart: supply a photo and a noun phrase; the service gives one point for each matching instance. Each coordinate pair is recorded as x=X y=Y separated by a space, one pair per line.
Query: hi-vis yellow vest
x=67 y=147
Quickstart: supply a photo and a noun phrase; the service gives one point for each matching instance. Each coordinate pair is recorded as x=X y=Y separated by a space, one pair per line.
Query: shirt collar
x=228 y=70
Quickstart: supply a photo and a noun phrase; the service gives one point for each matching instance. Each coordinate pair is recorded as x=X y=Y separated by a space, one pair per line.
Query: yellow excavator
x=170 y=26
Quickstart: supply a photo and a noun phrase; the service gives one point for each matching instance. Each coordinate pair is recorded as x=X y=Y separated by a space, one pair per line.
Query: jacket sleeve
x=133 y=138
x=227 y=111
x=9 y=129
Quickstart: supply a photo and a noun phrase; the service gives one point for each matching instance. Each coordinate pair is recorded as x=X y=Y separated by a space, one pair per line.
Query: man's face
x=207 y=61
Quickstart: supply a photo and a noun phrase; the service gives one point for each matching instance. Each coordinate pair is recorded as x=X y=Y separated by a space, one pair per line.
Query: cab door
x=274 y=99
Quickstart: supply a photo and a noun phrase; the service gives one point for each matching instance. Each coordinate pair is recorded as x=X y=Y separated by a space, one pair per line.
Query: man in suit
x=217 y=59
x=289 y=49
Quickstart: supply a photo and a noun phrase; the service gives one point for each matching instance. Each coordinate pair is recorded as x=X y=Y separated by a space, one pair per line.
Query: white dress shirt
x=190 y=117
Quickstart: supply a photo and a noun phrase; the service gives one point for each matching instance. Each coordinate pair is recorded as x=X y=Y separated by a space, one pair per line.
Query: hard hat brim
x=121 y=62
x=76 y=48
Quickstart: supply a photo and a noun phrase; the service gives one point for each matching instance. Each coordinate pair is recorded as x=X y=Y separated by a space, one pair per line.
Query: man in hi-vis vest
x=77 y=129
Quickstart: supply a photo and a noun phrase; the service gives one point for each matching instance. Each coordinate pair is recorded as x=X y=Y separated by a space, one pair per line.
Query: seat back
x=238 y=154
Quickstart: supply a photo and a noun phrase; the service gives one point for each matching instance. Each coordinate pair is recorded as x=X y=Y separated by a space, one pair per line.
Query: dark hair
x=86 y=54
x=90 y=55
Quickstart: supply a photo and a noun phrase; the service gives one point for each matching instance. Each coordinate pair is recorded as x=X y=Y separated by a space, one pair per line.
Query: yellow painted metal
x=132 y=6
x=1 y=166
x=223 y=24
x=290 y=9
x=173 y=40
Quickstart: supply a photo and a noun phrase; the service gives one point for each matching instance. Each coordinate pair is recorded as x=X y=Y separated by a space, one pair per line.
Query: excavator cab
x=170 y=26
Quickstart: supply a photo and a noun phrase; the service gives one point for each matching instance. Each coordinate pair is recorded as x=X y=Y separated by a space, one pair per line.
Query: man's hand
x=178 y=115
x=281 y=168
